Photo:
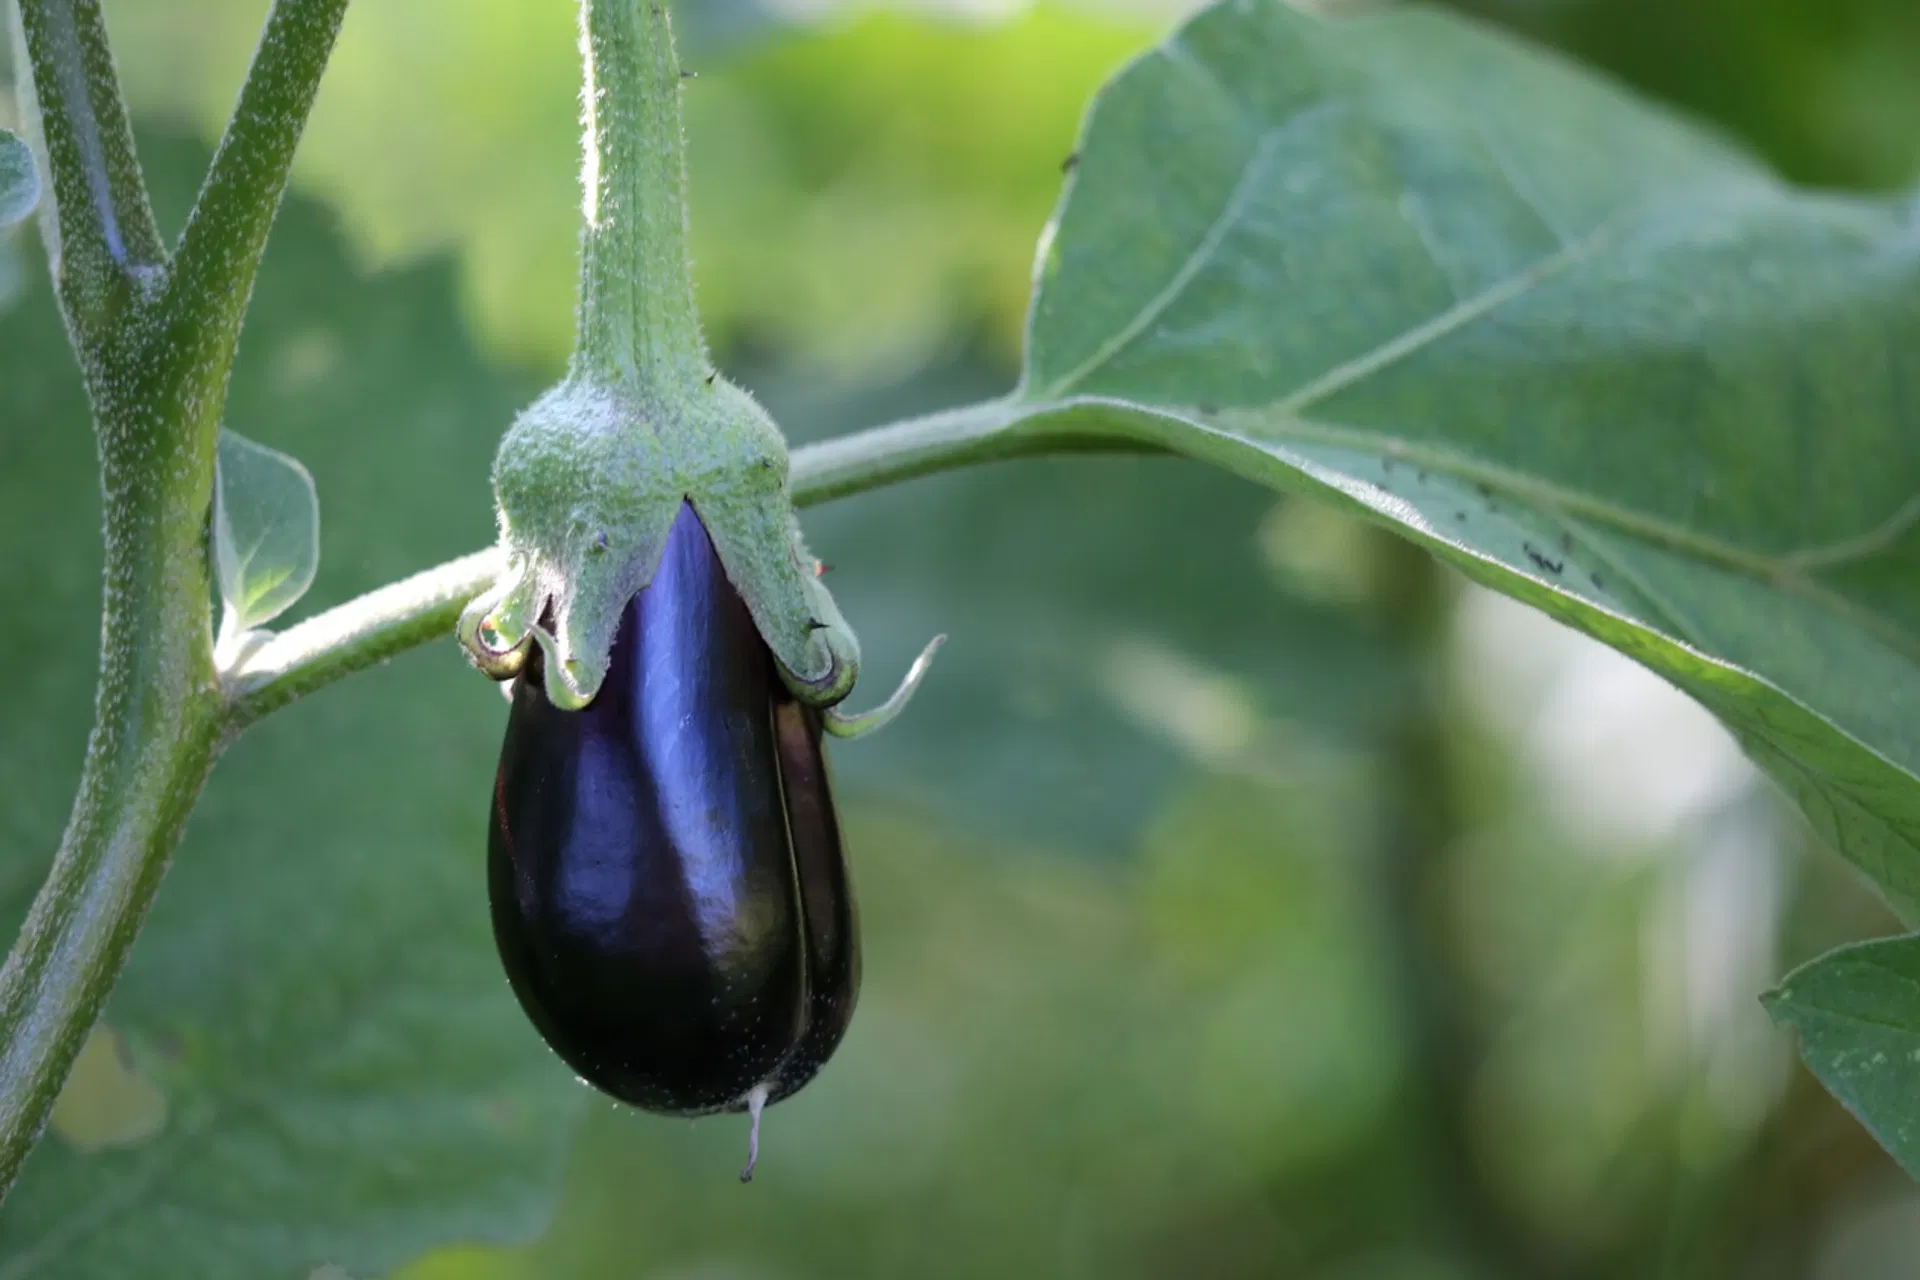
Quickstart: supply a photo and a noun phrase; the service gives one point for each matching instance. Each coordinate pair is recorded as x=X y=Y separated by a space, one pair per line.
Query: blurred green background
x=1244 y=895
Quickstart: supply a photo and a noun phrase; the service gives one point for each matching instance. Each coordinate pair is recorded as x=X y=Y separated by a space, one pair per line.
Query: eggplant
x=668 y=886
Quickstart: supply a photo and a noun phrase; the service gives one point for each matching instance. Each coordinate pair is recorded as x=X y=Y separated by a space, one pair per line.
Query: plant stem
x=226 y=234
x=99 y=230
x=638 y=325
x=156 y=345
x=902 y=450
x=361 y=633
x=155 y=734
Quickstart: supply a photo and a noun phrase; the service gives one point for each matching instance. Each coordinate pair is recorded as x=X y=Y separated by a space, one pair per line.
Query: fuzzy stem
x=361 y=633
x=155 y=344
x=155 y=734
x=99 y=230
x=226 y=234
x=638 y=326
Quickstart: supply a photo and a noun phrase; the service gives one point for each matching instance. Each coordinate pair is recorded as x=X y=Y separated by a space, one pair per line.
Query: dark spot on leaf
x=1541 y=560
x=1071 y=163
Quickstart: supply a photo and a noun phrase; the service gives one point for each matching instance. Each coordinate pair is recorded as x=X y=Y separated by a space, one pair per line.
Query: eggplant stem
x=756 y=1103
x=841 y=725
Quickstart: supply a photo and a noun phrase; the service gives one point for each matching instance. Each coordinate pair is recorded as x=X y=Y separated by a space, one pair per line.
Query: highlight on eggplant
x=669 y=890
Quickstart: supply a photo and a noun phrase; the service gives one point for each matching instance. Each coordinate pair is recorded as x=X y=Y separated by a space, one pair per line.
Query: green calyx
x=591 y=476
x=588 y=482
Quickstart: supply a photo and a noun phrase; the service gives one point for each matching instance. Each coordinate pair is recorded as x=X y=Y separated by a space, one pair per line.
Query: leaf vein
x=1452 y=320
x=1203 y=253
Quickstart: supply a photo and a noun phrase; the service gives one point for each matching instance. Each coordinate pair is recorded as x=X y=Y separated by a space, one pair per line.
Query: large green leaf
x=1858 y=1014
x=1591 y=355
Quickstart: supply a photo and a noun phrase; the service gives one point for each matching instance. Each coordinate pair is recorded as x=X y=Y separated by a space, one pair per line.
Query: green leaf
x=1857 y=1010
x=266 y=532
x=344 y=1077
x=19 y=180
x=1589 y=354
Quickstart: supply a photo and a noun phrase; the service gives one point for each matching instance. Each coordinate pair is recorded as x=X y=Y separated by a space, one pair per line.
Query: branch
x=425 y=607
x=361 y=633
x=226 y=233
x=100 y=234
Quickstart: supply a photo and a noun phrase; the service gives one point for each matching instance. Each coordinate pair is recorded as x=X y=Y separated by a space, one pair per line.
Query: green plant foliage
x=266 y=532
x=1858 y=1014
x=19 y=180
x=1593 y=357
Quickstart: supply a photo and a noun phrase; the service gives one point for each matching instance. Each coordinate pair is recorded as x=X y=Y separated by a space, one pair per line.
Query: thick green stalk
x=638 y=325
x=156 y=344
x=156 y=730
x=99 y=229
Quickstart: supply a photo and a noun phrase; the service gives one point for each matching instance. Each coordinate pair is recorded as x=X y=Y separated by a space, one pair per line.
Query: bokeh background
x=1245 y=896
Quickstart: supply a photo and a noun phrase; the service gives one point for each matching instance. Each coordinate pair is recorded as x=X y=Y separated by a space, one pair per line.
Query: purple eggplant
x=670 y=897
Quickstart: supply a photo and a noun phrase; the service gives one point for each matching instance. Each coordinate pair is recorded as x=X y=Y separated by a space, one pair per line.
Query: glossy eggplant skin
x=832 y=929
x=669 y=892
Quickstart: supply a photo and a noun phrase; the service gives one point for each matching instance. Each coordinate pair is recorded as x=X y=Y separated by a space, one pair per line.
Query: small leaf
x=1857 y=1010
x=19 y=180
x=266 y=532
